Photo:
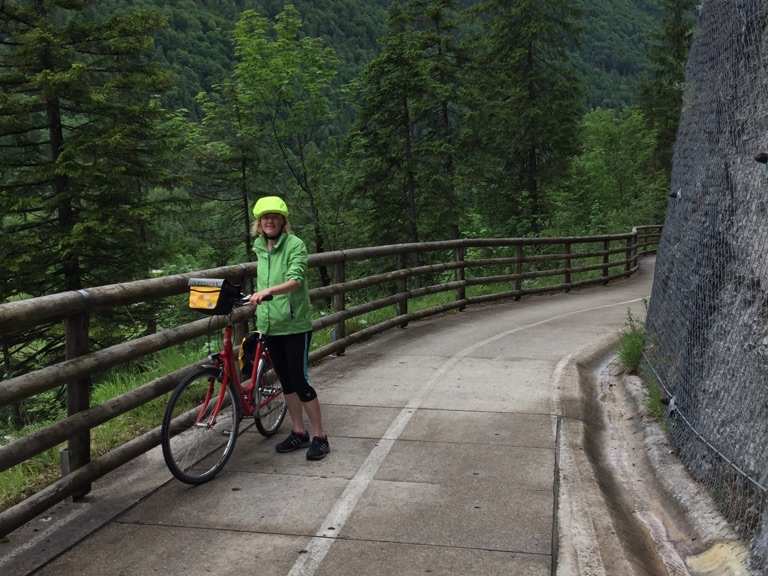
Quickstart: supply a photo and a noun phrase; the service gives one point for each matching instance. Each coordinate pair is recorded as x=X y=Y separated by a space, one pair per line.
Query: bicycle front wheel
x=197 y=441
x=270 y=401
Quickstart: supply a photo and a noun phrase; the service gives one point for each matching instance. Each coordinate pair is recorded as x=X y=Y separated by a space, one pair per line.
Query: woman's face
x=272 y=224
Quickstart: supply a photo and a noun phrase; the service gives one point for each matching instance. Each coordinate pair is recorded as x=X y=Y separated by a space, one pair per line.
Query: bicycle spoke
x=270 y=402
x=197 y=441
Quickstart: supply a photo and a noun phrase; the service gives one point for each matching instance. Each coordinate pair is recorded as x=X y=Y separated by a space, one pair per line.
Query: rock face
x=708 y=317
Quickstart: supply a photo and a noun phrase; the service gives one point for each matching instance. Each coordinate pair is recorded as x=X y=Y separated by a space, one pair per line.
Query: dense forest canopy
x=134 y=135
x=197 y=42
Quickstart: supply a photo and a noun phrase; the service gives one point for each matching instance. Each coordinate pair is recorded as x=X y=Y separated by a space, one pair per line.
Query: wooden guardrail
x=74 y=309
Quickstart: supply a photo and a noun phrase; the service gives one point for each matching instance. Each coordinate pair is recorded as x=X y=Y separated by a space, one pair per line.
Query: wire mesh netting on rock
x=708 y=317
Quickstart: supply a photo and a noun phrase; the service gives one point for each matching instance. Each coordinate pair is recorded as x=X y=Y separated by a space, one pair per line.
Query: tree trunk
x=448 y=164
x=450 y=172
x=70 y=262
x=247 y=238
x=246 y=211
x=325 y=277
x=410 y=180
x=532 y=168
x=67 y=218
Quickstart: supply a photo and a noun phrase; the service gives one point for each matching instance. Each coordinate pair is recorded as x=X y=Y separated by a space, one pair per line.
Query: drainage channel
x=654 y=531
x=639 y=547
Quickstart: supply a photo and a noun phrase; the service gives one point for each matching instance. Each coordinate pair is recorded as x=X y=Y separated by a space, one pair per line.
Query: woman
x=286 y=321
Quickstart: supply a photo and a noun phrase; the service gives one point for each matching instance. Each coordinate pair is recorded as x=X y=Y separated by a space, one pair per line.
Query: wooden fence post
x=519 y=271
x=402 y=306
x=567 y=246
x=628 y=256
x=339 y=304
x=461 y=292
x=606 y=259
x=635 y=249
x=78 y=452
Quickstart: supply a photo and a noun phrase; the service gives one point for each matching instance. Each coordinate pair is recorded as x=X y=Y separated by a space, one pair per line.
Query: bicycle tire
x=269 y=417
x=194 y=453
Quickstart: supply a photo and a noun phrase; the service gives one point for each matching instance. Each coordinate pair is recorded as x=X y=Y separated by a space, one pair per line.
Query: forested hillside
x=197 y=43
x=134 y=136
x=614 y=53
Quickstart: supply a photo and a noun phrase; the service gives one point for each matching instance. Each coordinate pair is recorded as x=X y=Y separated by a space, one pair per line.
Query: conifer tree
x=404 y=142
x=436 y=25
x=78 y=134
x=662 y=92
x=525 y=107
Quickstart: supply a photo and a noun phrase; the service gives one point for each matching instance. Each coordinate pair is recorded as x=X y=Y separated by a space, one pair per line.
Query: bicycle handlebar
x=245 y=299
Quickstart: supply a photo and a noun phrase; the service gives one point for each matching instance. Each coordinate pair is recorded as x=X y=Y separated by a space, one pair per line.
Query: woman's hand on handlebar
x=260 y=296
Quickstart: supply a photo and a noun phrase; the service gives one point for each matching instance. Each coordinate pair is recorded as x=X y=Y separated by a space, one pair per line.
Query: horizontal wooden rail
x=376 y=279
x=51 y=376
x=45 y=438
x=543 y=290
x=436 y=289
x=332 y=319
x=16 y=316
x=392 y=289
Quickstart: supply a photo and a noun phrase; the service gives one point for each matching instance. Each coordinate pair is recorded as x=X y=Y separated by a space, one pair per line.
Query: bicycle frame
x=225 y=361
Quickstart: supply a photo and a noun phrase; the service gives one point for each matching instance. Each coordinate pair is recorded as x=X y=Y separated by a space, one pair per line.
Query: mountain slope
x=197 y=45
x=613 y=55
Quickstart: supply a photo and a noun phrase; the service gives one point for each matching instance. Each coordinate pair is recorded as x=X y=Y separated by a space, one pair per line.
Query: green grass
x=654 y=403
x=632 y=344
x=630 y=353
x=26 y=478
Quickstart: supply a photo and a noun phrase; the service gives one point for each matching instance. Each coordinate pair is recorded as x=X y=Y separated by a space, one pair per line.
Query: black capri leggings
x=290 y=359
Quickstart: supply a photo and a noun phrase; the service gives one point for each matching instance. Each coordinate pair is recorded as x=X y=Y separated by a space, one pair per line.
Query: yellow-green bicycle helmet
x=270 y=205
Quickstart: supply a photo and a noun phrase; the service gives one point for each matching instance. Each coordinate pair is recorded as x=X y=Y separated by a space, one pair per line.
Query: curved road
x=443 y=462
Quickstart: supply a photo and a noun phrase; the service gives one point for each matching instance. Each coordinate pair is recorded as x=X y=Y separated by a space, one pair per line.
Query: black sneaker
x=293 y=442
x=318 y=449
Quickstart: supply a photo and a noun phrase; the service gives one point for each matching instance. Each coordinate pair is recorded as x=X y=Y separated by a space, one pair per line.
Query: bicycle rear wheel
x=270 y=401
x=195 y=446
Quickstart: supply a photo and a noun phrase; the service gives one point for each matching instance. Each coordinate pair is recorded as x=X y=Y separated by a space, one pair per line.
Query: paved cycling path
x=443 y=462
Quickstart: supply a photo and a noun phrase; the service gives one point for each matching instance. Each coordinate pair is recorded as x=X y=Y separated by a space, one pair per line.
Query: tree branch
x=26 y=144
x=13 y=17
x=26 y=165
x=26 y=184
x=204 y=196
x=284 y=153
x=30 y=226
x=24 y=131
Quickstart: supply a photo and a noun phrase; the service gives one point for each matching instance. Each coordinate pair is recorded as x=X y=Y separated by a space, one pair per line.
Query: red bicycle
x=202 y=418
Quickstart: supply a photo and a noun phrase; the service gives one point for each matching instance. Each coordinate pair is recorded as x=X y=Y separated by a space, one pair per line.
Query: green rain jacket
x=285 y=313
